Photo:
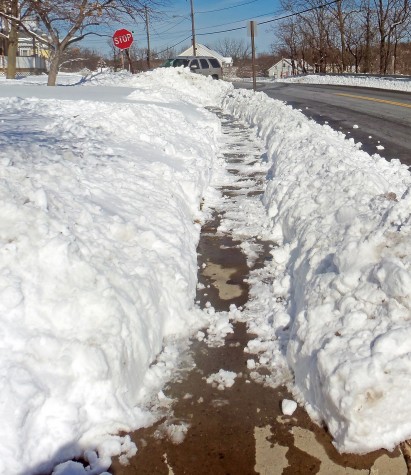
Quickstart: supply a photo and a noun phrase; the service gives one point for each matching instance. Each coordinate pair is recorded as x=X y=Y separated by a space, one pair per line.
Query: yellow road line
x=365 y=98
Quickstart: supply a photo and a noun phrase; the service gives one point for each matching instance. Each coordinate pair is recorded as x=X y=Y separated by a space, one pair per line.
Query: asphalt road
x=381 y=117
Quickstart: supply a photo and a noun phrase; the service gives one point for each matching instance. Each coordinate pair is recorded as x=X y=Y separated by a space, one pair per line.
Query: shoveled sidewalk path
x=237 y=430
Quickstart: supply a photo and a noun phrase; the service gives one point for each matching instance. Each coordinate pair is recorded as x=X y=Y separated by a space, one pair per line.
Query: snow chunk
x=177 y=433
x=223 y=379
x=288 y=407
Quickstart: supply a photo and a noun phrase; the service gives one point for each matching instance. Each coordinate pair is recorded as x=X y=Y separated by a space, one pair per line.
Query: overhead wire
x=272 y=20
x=176 y=24
x=242 y=27
x=237 y=21
x=226 y=8
x=169 y=47
x=299 y=13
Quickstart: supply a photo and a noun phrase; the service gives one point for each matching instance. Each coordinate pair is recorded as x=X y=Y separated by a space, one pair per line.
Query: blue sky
x=211 y=16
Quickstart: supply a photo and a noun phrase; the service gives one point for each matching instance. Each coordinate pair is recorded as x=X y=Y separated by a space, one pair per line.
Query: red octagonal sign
x=123 y=39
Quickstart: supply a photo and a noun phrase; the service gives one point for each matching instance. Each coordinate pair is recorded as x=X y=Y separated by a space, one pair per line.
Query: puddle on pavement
x=239 y=430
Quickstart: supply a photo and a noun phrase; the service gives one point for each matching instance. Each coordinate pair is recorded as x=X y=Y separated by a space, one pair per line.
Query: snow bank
x=98 y=264
x=164 y=84
x=396 y=84
x=63 y=79
x=342 y=274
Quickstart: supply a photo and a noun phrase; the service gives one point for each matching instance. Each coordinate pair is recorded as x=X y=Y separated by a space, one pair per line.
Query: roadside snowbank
x=162 y=85
x=98 y=264
x=395 y=84
x=342 y=275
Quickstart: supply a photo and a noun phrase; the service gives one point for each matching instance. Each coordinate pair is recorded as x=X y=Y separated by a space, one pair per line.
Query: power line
x=176 y=24
x=270 y=21
x=227 y=8
x=244 y=27
x=169 y=47
x=222 y=31
x=300 y=13
x=237 y=21
x=171 y=12
x=259 y=23
x=216 y=26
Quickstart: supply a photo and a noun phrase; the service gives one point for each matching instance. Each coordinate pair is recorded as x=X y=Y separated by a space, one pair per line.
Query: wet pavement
x=207 y=428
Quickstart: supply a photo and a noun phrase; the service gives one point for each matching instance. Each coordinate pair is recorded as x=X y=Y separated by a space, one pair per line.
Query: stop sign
x=123 y=39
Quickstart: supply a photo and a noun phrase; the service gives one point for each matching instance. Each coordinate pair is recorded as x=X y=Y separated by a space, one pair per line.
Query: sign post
x=123 y=39
x=252 y=30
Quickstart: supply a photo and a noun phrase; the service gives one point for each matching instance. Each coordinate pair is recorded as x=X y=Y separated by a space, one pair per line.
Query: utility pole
x=13 y=42
x=148 y=37
x=252 y=34
x=193 y=30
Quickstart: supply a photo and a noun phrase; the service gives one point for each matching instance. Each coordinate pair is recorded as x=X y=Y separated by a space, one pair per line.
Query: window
x=204 y=64
x=168 y=63
x=194 y=64
x=214 y=63
x=180 y=62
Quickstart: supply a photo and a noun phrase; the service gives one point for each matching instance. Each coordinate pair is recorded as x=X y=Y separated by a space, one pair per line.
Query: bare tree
x=76 y=58
x=401 y=33
x=315 y=26
x=289 y=40
x=390 y=15
x=345 y=15
x=165 y=53
x=356 y=36
x=363 y=32
x=70 y=21
x=234 y=48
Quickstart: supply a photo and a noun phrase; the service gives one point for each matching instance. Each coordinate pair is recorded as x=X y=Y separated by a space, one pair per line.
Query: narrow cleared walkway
x=218 y=420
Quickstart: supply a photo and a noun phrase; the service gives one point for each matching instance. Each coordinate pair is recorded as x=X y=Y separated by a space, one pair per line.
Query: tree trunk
x=12 y=54
x=383 y=66
x=394 y=58
x=367 y=54
x=341 y=27
x=54 y=69
x=382 y=12
x=13 y=44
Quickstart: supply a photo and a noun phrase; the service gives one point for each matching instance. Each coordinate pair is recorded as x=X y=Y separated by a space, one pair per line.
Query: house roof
x=288 y=61
x=204 y=51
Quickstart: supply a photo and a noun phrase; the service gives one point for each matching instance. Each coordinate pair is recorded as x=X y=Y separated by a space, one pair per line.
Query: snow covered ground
x=101 y=185
x=397 y=84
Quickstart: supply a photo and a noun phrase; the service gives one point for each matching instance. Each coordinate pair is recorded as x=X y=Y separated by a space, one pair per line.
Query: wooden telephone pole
x=148 y=37
x=252 y=34
x=193 y=30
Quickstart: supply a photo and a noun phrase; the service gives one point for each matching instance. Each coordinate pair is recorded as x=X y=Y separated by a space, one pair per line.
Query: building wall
x=25 y=65
x=280 y=70
x=284 y=69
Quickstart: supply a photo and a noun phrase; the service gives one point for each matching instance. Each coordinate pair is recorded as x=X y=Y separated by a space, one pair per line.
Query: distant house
x=202 y=50
x=284 y=68
x=25 y=65
x=31 y=55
